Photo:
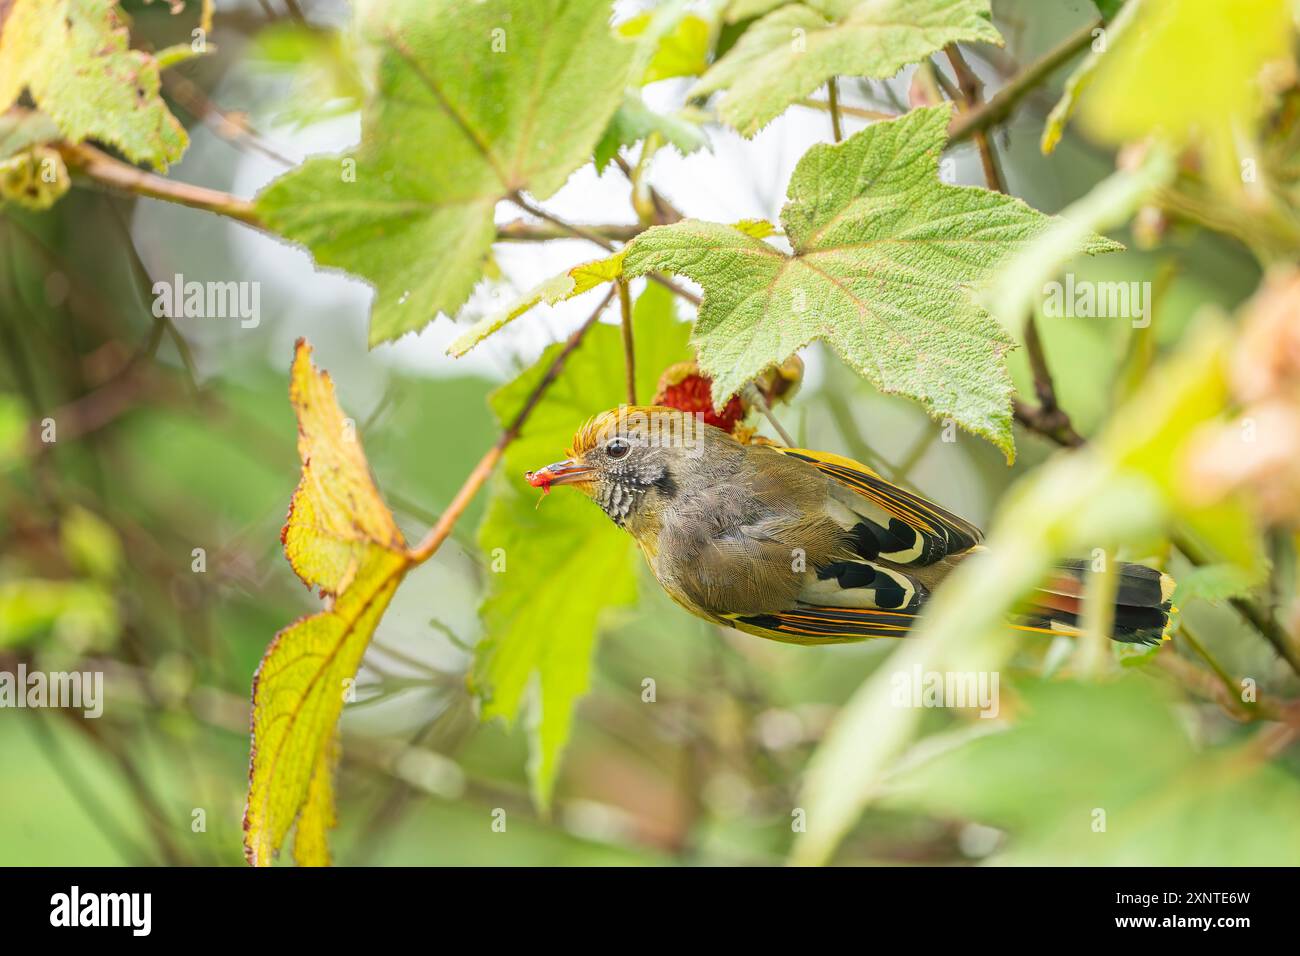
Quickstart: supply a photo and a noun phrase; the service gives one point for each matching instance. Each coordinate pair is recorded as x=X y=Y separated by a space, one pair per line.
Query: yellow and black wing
x=808 y=624
x=889 y=522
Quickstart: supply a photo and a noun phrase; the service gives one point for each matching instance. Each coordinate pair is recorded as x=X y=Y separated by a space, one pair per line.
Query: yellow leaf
x=341 y=537
x=75 y=59
x=336 y=513
x=310 y=842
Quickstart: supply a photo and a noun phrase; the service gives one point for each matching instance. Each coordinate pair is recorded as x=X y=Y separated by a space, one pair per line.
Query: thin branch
x=162 y=323
x=585 y=233
x=665 y=211
x=989 y=162
x=1044 y=387
x=1231 y=686
x=1054 y=424
x=1048 y=416
x=1258 y=616
x=968 y=84
x=482 y=471
x=972 y=90
x=833 y=101
x=756 y=398
x=1000 y=106
x=521 y=231
x=943 y=82
x=574 y=229
x=629 y=347
x=856 y=111
x=107 y=171
x=153 y=812
x=195 y=102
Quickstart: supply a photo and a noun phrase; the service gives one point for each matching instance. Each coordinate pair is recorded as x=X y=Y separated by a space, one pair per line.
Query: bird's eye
x=617 y=447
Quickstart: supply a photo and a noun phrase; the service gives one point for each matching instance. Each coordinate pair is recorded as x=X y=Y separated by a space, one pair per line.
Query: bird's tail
x=1142 y=603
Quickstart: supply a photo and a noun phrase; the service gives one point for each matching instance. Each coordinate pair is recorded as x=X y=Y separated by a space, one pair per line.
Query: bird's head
x=629 y=460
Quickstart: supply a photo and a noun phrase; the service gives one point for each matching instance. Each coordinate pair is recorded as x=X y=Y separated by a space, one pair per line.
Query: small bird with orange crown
x=795 y=545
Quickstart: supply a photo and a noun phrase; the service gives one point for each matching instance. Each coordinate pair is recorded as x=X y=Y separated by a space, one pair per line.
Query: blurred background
x=177 y=435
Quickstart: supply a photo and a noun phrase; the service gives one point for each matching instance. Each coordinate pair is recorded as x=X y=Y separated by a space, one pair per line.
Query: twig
x=1255 y=614
x=1092 y=656
x=759 y=402
x=521 y=231
x=574 y=229
x=1044 y=386
x=665 y=211
x=1054 y=424
x=971 y=90
x=856 y=111
x=833 y=101
x=155 y=816
x=1048 y=415
x=585 y=233
x=1230 y=686
x=478 y=477
x=107 y=171
x=195 y=102
x=629 y=347
x=852 y=436
x=999 y=107
x=90 y=412
x=968 y=84
x=162 y=323
x=943 y=82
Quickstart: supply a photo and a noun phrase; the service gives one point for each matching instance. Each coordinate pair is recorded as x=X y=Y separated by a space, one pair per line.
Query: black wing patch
x=919 y=531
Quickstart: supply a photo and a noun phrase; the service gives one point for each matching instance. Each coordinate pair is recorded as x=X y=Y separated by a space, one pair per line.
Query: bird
x=801 y=546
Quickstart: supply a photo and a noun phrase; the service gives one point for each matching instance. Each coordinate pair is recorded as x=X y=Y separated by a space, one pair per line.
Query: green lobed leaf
x=565 y=563
x=884 y=256
x=792 y=51
x=473 y=102
x=74 y=57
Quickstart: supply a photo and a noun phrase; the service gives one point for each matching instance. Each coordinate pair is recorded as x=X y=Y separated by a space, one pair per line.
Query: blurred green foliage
x=140 y=535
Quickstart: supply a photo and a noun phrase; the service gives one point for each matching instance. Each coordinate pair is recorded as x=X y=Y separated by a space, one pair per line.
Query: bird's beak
x=565 y=472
